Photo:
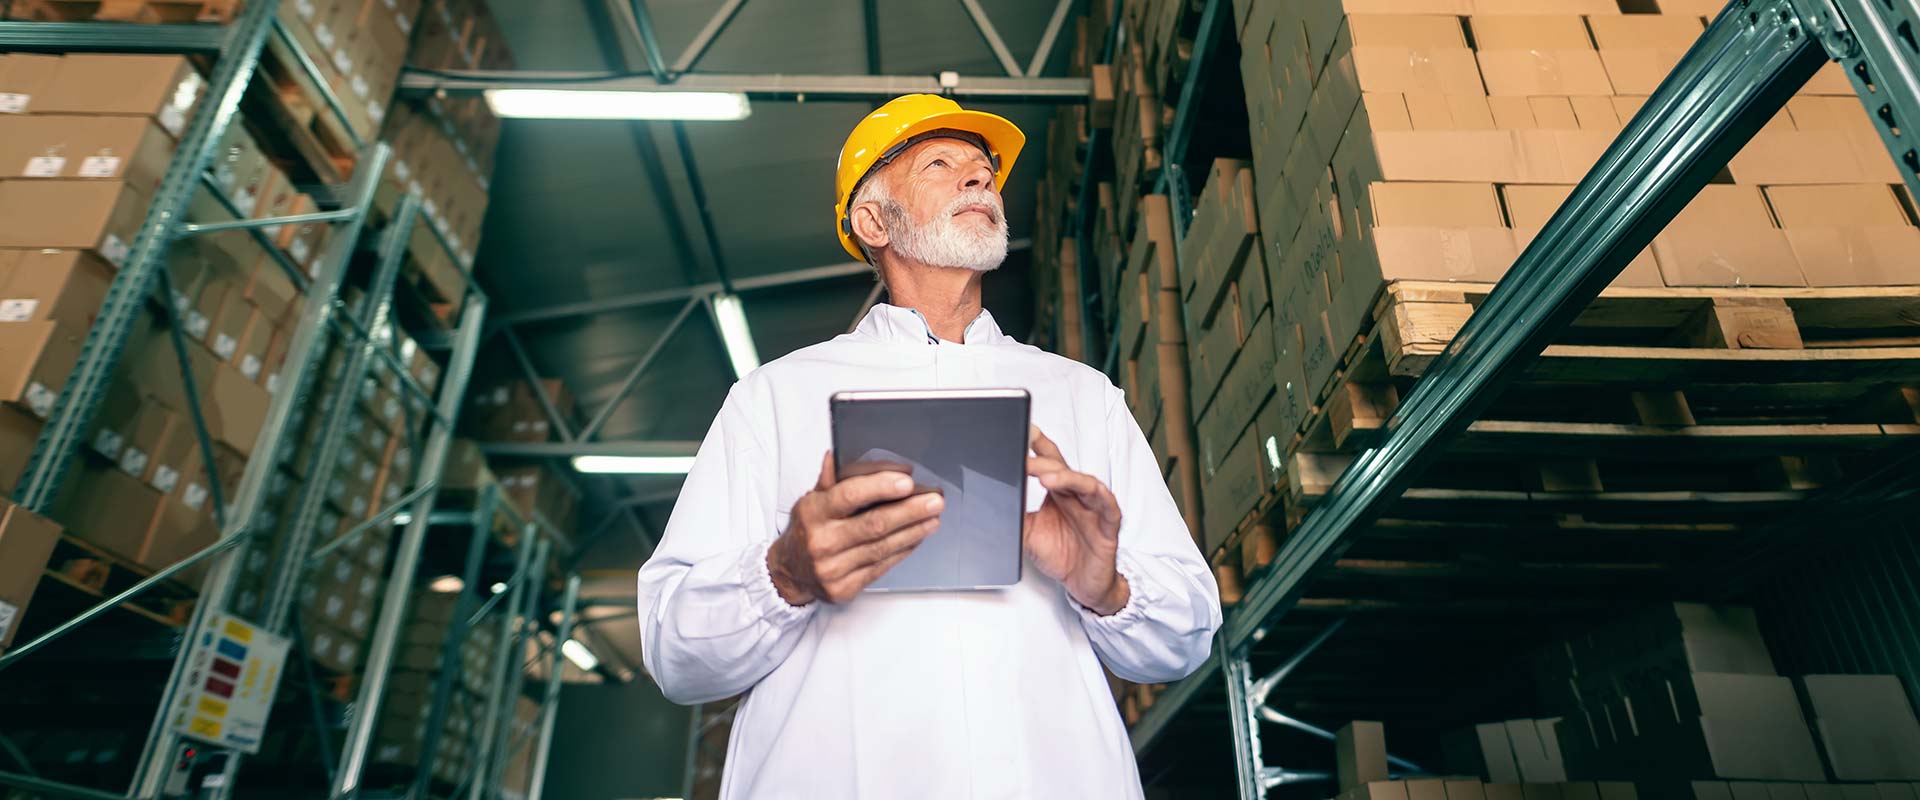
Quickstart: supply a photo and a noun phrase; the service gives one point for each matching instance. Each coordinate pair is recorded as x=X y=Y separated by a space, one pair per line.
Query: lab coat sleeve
x=1165 y=631
x=711 y=623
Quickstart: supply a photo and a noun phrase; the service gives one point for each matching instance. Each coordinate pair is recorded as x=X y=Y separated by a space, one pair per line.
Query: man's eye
x=938 y=162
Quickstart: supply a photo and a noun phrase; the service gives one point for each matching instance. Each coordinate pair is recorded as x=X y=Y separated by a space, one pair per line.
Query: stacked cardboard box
x=1232 y=349
x=434 y=160
x=1153 y=352
x=359 y=48
x=510 y=411
x=1137 y=124
x=1360 y=755
x=1683 y=692
x=1431 y=140
x=543 y=492
x=402 y=731
x=517 y=774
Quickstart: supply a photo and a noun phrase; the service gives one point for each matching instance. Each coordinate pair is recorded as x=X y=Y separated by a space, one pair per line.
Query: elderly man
x=756 y=586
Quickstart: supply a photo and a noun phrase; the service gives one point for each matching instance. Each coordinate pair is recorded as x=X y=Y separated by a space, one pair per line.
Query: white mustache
x=977 y=197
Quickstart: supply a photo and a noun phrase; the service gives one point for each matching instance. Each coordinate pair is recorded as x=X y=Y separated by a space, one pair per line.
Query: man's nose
x=979 y=175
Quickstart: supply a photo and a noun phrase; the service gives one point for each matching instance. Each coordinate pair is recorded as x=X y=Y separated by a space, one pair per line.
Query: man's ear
x=868 y=229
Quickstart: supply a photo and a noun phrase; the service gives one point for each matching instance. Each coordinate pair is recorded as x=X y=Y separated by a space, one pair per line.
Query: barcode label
x=14 y=102
x=165 y=478
x=40 y=398
x=19 y=309
x=100 y=167
x=133 y=462
x=250 y=366
x=44 y=166
x=197 y=325
x=108 y=443
x=195 y=496
x=114 y=250
x=224 y=345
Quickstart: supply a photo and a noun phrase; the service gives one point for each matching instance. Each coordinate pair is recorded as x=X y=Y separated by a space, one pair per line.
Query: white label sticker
x=114 y=250
x=359 y=506
x=325 y=35
x=172 y=119
x=246 y=201
x=13 y=102
x=405 y=25
x=44 y=166
x=360 y=87
x=401 y=170
x=273 y=383
x=7 y=615
x=358 y=623
x=250 y=366
x=108 y=443
x=197 y=325
x=133 y=462
x=304 y=8
x=368 y=471
x=195 y=496
x=165 y=478
x=100 y=166
x=375 y=110
x=460 y=146
x=336 y=605
x=342 y=62
x=224 y=345
x=40 y=398
x=301 y=250
x=18 y=309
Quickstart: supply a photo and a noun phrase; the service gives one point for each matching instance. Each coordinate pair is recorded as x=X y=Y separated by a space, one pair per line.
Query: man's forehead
x=952 y=144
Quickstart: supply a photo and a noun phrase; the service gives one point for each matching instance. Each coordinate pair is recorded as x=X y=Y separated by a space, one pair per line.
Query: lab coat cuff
x=761 y=594
x=1141 y=595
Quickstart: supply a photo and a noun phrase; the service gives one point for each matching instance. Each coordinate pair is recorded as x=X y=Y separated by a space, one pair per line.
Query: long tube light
x=633 y=465
x=732 y=320
x=579 y=654
x=606 y=104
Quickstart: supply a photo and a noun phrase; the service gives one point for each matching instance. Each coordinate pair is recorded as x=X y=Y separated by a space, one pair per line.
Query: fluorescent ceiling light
x=499 y=587
x=633 y=465
x=601 y=104
x=579 y=654
x=447 y=584
x=403 y=518
x=732 y=319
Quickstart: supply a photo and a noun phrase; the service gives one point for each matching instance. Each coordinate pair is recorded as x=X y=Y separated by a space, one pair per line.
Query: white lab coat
x=993 y=693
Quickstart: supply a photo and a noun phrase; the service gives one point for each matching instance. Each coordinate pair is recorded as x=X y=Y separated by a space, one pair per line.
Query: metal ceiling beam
x=684 y=293
x=651 y=44
x=992 y=35
x=870 y=13
x=769 y=87
x=554 y=417
x=1041 y=53
x=119 y=37
x=653 y=449
x=633 y=377
x=704 y=39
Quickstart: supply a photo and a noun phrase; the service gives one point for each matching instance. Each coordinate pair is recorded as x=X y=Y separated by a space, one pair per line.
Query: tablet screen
x=968 y=445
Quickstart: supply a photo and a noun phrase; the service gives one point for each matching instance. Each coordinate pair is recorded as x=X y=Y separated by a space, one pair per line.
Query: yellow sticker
x=205 y=727
x=214 y=707
x=238 y=630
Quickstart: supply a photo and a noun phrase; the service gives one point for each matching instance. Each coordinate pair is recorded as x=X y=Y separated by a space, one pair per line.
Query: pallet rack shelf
x=237 y=49
x=1752 y=57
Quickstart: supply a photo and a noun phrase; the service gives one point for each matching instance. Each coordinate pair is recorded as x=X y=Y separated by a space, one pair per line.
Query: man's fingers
x=847 y=497
x=1080 y=484
x=881 y=521
x=1037 y=466
x=826 y=473
x=881 y=555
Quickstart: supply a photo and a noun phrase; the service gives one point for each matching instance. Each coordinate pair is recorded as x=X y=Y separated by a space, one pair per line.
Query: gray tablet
x=969 y=445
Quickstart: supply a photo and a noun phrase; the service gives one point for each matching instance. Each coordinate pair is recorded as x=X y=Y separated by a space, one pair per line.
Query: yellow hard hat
x=904 y=121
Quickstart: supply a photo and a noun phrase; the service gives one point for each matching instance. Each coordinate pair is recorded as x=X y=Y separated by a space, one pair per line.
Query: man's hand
x=1075 y=536
x=844 y=535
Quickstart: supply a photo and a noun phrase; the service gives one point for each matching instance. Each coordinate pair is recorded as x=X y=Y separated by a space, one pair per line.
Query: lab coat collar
x=894 y=324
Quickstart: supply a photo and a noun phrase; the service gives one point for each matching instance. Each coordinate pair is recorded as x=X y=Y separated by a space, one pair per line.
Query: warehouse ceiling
x=590 y=210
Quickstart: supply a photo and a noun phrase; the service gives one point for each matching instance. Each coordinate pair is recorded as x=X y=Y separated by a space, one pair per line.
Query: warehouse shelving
x=163 y=765
x=1752 y=57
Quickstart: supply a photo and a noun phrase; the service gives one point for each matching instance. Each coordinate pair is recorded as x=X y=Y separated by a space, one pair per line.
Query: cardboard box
x=1360 y=750
x=64 y=286
x=176 y=532
x=1249 y=380
x=1725 y=237
x=165 y=87
x=1529 y=207
x=1855 y=235
x=35 y=359
x=1233 y=490
x=235 y=407
x=26 y=542
x=1719 y=725
x=109 y=509
x=334 y=649
x=1866 y=725
x=98 y=216
x=1539 y=54
x=152 y=436
x=18 y=433
x=24 y=76
x=132 y=149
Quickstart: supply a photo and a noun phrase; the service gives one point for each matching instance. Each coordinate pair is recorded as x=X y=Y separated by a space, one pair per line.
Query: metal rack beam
x=116 y=37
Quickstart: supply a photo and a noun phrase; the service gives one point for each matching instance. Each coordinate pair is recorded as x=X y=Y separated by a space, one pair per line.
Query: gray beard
x=943 y=242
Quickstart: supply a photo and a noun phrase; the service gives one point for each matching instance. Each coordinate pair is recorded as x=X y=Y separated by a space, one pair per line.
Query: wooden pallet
x=78 y=565
x=152 y=12
x=297 y=109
